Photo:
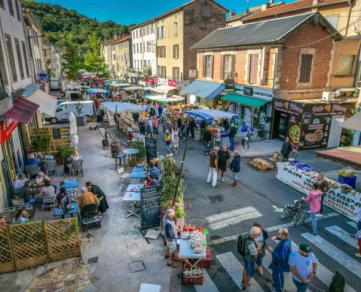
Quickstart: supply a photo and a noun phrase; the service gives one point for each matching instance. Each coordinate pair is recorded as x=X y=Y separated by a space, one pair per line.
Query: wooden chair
x=274 y=158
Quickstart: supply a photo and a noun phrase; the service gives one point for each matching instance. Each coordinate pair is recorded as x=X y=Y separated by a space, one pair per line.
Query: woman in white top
x=76 y=156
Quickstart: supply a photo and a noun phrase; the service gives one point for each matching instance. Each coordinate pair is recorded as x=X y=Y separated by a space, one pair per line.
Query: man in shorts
x=224 y=159
x=250 y=256
x=170 y=231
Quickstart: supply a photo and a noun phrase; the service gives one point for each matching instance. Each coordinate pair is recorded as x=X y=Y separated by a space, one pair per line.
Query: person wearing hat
x=86 y=198
x=213 y=167
x=303 y=265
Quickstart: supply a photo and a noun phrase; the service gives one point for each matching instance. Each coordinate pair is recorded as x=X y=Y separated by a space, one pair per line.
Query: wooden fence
x=28 y=245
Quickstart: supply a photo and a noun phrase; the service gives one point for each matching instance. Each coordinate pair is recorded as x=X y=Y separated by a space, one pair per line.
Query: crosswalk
x=231 y=263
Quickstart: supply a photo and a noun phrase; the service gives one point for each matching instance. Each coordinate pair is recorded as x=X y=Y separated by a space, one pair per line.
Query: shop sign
x=7 y=126
x=149 y=80
x=192 y=73
x=155 y=80
x=172 y=83
x=248 y=91
x=345 y=204
x=229 y=84
x=332 y=109
x=162 y=81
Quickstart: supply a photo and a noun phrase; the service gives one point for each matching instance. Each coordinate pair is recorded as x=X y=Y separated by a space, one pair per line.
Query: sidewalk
x=259 y=148
x=118 y=253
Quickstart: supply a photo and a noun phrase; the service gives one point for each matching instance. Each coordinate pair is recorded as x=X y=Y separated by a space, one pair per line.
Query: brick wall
x=291 y=58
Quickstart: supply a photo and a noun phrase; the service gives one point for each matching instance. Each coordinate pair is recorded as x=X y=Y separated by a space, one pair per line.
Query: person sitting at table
x=150 y=181
x=62 y=199
x=75 y=157
x=97 y=191
x=3 y=223
x=25 y=194
x=41 y=178
x=20 y=181
x=21 y=216
x=47 y=194
x=33 y=161
x=154 y=170
x=86 y=198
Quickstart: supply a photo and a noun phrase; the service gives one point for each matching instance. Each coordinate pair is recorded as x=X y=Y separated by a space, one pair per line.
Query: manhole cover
x=93 y=260
x=199 y=222
x=137 y=266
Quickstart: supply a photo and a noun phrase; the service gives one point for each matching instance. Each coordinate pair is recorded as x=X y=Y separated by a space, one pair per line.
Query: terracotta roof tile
x=253 y=10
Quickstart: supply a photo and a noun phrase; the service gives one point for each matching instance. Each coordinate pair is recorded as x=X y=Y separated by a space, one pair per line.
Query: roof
x=268 y=31
x=251 y=11
x=174 y=10
x=117 y=40
x=128 y=37
x=293 y=6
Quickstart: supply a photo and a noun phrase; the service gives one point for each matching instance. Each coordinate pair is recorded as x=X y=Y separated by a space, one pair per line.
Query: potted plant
x=114 y=148
x=64 y=153
x=92 y=121
x=80 y=119
x=138 y=144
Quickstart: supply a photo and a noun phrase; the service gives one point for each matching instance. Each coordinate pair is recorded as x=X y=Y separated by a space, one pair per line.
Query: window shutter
x=253 y=68
x=156 y=52
x=204 y=65
x=212 y=58
x=164 y=52
x=233 y=66
x=221 y=71
x=165 y=72
x=177 y=51
x=306 y=63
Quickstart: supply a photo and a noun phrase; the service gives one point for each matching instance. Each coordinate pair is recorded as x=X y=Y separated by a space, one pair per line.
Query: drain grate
x=137 y=266
x=93 y=260
x=197 y=221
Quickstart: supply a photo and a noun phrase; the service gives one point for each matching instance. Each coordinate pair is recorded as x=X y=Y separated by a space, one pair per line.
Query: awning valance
x=246 y=100
x=211 y=114
x=96 y=91
x=161 y=89
x=47 y=103
x=205 y=89
x=23 y=110
x=353 y=123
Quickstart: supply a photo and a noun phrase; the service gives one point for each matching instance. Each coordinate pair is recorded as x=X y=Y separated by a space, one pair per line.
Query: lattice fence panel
x=6 y=260
x=28 y=241
x=63 y=239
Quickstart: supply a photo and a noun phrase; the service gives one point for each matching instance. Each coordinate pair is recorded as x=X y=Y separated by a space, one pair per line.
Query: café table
x=134 y=188
x=130 y=152
x=71 y=188
x=60 y=211
x=186 y=252
x=133 y=197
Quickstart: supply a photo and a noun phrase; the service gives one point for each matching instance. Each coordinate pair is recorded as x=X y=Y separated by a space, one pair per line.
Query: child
x=358 y=237
x=3 y=222
x=168 y=140
x=175 y=144
x=217 y=138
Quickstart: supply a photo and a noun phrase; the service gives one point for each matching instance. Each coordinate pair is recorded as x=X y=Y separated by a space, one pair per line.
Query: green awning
x=246 y=100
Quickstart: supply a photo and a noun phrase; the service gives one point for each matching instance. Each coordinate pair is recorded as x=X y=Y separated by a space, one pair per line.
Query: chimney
x=265 y=6
x=315 y=2
x=233 y=12
x=246 y=11
x=270 y=2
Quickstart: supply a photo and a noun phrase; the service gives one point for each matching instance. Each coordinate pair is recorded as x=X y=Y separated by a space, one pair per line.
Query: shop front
x=310 y=124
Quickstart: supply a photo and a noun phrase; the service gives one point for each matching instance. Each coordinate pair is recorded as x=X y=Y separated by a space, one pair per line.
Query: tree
x=73 y=61
x=93 y=61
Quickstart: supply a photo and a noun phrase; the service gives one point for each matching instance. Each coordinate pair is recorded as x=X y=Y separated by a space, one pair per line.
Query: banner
x=345 y=204
x=7 y=126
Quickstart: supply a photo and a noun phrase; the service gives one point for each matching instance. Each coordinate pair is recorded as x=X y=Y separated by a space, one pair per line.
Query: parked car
x=86 y=108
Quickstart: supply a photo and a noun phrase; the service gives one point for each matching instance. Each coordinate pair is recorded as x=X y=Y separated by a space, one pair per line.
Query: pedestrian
x=280 y=257
x=358 y=237
x=152 y=110
x=170 y=232
x=179 y=122
x=188 y=129
x=160 y=112
x=207 y=136
x=192 y=127
x=225 y=125
x=303 y=265
x=358 y=226
x=218 y=138
x=141 y=127
x=97 y=191
x=324 y=187
x=175 y=144
x=246 y=139
x=183 y=131
x=261 y=239
x=286 y=149
x=203 y=127
x=314 y=198
x=224 y=159
x=168 y=140
x=250 y=256
x=148 y=130
x=236 y=167
x=150 y=123
x=166 y=124
x=213 y=167
x=155 y=125
x=232 y=134
x=136 y=117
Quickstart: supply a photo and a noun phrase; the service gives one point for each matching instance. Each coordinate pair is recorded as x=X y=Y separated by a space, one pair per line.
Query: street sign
x=43 y=75
x=42 y=82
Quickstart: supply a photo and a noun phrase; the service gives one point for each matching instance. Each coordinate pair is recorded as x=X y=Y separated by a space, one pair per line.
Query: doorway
x=335 y=132
x=280 y=125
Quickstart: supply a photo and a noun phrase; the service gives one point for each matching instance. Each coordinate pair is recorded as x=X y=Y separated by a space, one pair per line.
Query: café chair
x=50 y=166
x=276 y=156
x=31 y=170
x=18 y=203
x=77 y=166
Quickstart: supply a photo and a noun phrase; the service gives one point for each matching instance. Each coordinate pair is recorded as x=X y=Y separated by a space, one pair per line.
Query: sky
x=137 y=11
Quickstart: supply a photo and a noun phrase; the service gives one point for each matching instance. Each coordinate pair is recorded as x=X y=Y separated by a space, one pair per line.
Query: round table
x=130 y=152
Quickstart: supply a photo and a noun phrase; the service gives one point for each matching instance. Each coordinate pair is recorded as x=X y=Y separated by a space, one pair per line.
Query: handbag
x=246 y=139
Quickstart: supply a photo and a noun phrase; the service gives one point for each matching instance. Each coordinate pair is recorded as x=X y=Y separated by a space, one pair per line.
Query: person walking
x=286 y=149
x=155 y=125
x=207 y=136
x=314 y=198
x=203 y=127
x=232 y=134
x=358 y=226
x=303 y=265
x=250 y=256
x=324 y=187
x=168 y=140
x=166 y=124
x=213 y=167
x=236 y=167
x=224 y=159
x=192 y=127
x=246 y=139
x=217 y=138
x=141 y=126
x=170 y=231
x=175 y=144
x=280 y=257
x=261 y=239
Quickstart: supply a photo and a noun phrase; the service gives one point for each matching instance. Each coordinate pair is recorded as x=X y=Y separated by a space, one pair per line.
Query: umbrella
x=122 y=107
x=74 y=139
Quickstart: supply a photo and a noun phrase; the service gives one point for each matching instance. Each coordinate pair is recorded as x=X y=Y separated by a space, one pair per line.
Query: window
x=114 y=57
x=345 y=65
x=151 y=28
x=137 y=48
x=145 y=63
x=134 y=48
x=140 y=46
x=228 y=65
x=161 y=52
x=11 y=7
x=164 y=72
x=2 y=65
x=175 y=51
x=148 y=63
x=158 y=33
x=176 y=29
x=9 y=47
x=20 y=59
x=140 y=32
x=305 y=70
x=61 y=108
x=333 y=19
x=18 y=9
x=208 y=66
x=252 y=68
x=176 y=73
x=206 y=11
x=163 y=31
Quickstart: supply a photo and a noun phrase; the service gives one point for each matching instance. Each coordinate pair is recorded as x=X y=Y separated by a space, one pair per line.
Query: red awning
x=22 y=111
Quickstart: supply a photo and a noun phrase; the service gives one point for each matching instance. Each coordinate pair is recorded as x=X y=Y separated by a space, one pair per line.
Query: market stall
x=93 y=91
x=341 y=197
x=349 y=156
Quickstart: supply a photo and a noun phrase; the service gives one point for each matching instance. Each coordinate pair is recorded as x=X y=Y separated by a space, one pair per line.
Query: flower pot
x=81 y=120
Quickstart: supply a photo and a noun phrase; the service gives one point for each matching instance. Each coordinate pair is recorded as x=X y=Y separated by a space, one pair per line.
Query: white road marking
x=343 y=235
x=353 y=224
x=208 y=284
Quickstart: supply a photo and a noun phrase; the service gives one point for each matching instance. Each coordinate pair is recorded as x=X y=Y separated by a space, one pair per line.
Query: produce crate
x=351 y=180
x=206 y=263
x=176 y=258
x=192 y=281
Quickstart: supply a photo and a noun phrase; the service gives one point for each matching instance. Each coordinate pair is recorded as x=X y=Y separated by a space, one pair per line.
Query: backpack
x=152 y=112
x=241 y=244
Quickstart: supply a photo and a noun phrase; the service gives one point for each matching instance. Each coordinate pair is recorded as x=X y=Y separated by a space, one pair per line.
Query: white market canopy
x=122 y=107
x=161 y=89
x=353 y=123
x=211 y=114
x=47 y=103
x=164 y=98
x=119 y=84
x=96 y=90
x=133 y=88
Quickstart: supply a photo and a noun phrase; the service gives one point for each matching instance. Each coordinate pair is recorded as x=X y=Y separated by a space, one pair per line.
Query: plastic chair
x=50 y=165
x=31 y=170
x=77 y=166
x=274 y=158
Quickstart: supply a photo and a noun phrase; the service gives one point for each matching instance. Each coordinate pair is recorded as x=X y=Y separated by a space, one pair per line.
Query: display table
x=345 y=204
x=186 y=252
x=133 y=197
x=60 y=211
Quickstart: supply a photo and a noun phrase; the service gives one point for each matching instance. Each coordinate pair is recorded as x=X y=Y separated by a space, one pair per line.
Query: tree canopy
x=92 y=60
x=59 y=23
x=73 y=61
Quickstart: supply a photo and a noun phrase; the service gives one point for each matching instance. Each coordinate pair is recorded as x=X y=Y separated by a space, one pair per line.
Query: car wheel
x=54 y=120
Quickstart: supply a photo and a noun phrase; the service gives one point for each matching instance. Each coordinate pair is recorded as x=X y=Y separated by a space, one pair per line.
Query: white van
x=63 y=110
